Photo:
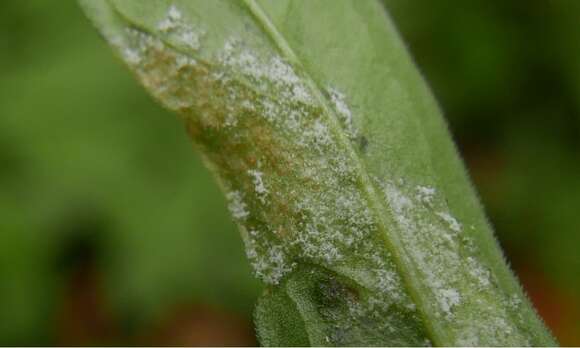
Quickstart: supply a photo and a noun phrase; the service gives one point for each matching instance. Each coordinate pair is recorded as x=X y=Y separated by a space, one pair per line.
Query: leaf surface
x=338 y=167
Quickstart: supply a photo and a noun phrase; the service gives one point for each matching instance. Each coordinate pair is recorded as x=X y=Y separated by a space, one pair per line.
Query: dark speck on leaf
x=363 y=143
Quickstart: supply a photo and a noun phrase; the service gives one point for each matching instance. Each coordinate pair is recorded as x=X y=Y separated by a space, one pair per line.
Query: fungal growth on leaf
x=335 y=162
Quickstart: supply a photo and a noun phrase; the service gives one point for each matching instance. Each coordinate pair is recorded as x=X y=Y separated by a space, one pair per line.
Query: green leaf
x=351 y=199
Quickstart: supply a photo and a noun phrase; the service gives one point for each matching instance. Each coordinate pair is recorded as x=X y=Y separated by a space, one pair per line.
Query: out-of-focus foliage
x=95 y=177
x=111 y=231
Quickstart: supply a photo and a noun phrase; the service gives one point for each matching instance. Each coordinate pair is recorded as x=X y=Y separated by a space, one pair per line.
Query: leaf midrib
x=377 y=205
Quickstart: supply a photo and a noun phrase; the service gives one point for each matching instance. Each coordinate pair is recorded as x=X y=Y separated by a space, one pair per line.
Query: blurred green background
x=112 y=232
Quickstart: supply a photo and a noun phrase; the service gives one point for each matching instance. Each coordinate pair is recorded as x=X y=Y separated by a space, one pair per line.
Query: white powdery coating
x=330 y=223
x=131 y=56
x=425 y=194
x=453 y=223
x=333 y=225
x=236 y=205
x=423 y=239
x=271 y=264
x=338 y=100
x=400 y=204
x=173 y=14
x=259 y=186
x=251 y=251
x=497 y=325
x=172 y=20
x=448 y=299
x=178 y=28
x=426 y=240
x=515 y=302
x=317 y=132
x=446 y=257
x=274 y=72
x=476 y=270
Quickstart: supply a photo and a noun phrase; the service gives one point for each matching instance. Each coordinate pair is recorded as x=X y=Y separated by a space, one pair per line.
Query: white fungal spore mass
x=176 y=27
x=445 y=256
x=236 y=205
x=425 y=194
x=259 y=186
x=453 y=223
x=338 y=100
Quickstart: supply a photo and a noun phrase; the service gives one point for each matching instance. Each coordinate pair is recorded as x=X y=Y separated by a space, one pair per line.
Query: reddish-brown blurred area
x=113 y=233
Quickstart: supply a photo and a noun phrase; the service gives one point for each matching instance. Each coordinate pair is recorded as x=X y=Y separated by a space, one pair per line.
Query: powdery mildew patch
x=236 y=205
x=343 y=111
x=299 y=197
x=178 y=28
x=445 y=256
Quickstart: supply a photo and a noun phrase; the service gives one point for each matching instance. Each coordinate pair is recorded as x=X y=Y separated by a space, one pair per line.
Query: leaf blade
x=358 y=193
